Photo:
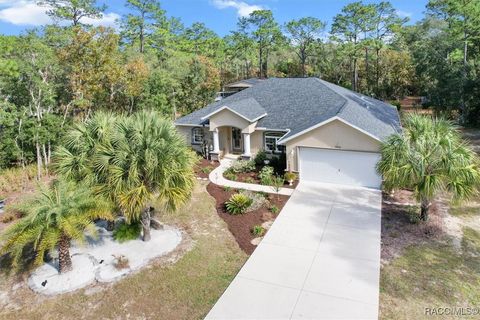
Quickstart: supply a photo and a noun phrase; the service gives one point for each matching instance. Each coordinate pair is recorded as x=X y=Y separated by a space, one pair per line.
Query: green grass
x=433 y=275
x=465 y=211
x=185 y=290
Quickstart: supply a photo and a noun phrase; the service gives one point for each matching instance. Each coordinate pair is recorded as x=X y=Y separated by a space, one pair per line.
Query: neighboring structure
x=236 y=87
x=328 y=133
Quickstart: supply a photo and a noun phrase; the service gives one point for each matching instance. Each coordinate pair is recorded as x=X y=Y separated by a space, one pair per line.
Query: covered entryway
x=354 y=168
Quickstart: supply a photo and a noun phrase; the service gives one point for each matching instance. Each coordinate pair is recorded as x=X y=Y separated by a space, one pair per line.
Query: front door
x=236 y=140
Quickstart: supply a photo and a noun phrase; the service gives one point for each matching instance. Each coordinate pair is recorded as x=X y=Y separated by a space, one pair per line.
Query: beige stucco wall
x=334 y=135
x=256 y=142
x=227 y=118
x=186 y=131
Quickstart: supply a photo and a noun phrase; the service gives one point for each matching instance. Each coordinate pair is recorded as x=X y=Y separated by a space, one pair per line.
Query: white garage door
x=338 y=166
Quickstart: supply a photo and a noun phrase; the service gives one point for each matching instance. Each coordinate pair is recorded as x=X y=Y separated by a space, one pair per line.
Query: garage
x=355 y=168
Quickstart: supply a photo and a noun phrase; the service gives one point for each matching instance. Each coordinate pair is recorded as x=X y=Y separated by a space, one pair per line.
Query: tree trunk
x=377 y=71
x=64 y=259
x=260 y=57
x=425 y=206
x=110 y=225
x=39 y=161
x=146 y=221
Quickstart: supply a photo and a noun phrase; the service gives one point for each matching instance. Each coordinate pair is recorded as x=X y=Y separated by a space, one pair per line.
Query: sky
x=16 y=16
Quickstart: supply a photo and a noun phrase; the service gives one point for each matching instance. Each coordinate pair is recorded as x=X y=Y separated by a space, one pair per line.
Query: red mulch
x=240 y=225
x=204 y=163
x=248 y=176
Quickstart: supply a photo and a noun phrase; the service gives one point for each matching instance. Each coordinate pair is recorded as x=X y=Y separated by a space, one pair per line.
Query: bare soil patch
x=241 y=225
x=399 y=230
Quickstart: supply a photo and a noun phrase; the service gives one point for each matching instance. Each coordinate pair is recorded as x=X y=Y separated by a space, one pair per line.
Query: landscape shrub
x=124 y=232
x=274 y=209
x=279 y=164
x=258 y=231
x=266 y=175
x=238 y=203
x=249 y=180
x=230 y=176
x=207 y=170
x=290 y=176
x=260 y=158
x=240 y=166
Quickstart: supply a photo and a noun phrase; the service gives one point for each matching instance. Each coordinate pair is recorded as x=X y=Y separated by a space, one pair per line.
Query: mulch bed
x=241 y=225
x=252 y=177
x=202 y=164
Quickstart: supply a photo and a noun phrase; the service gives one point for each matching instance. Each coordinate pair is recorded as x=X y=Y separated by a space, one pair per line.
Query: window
x=197 y=135
x=271 y=142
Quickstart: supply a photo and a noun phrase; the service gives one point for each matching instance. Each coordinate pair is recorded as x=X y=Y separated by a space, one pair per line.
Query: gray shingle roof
x=297 y=104
x=249 y=108
x=244 y=83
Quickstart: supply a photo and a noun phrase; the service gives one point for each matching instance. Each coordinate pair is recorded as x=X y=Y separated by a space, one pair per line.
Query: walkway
x=216 y=176
x=319 y=260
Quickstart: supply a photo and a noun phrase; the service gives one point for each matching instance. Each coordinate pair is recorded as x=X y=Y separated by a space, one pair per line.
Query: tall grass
x=16 y=179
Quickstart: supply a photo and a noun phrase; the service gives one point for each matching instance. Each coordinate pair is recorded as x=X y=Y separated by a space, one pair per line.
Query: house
x=328 y=133
x=236 y=87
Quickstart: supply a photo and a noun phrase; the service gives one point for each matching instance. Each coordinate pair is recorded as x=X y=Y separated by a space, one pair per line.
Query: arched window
x=197 y=135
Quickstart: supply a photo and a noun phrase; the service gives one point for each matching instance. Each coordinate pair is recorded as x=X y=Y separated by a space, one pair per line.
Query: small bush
x=249 y=180
x=238 y=204
x=240 y=166
x=227 y=188
x=413 y=215
x=121 y=262
x=266 y=175
x=7 y=217
x=274 y=209
x=397 y=104
x=260 y=158
x=125 y=232
x=279 y=163
x=206 y=170
x=230 y=176
x=290 y=176
x=258 y=231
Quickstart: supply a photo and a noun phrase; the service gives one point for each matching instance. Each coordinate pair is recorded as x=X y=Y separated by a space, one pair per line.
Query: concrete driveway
x=319 y=260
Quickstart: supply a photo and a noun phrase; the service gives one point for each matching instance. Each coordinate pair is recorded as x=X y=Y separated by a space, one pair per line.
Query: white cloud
x=107 y=20
x=28 y=13
x=24 y=13
x=243 y=8
x=404 y=14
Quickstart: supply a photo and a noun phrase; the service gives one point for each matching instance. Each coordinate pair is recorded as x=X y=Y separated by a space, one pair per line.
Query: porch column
x=216 y=145
x=246 y=145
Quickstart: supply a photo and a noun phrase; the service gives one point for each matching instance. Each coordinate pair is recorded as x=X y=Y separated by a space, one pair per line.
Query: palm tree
x=141 y=158
x=430 y=157
x=54 y=217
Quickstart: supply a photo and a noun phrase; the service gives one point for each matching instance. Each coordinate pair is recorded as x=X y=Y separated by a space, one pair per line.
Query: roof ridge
x=338 y=94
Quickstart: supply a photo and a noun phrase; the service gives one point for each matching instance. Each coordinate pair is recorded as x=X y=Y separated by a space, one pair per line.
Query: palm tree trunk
x=145 y=220
x=64 y=260
x=424 y=208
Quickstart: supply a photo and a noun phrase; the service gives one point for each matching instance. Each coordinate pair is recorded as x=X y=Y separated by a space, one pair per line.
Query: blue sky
x=219 y=15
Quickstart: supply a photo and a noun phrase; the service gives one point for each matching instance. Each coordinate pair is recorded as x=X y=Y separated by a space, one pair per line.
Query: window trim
x=273 y=135
x=194 y=134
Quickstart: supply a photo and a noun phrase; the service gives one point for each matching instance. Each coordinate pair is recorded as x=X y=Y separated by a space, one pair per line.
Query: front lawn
x=432 y=264
x=185 y=289
x=432 y=275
